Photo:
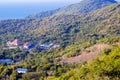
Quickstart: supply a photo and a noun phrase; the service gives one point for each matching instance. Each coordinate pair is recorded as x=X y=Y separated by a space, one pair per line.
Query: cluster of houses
x=17 y=43
x=28 y=45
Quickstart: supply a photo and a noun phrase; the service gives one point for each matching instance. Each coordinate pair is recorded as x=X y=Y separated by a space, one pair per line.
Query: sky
x=10 y=9
x=35 y=1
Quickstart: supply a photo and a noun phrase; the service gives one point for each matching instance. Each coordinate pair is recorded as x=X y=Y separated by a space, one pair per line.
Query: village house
x=27 y=45
x=56 y=45
x=44 y=47
x=22 y=70
x=7 y=61
x=49 y=46
x=16 y=42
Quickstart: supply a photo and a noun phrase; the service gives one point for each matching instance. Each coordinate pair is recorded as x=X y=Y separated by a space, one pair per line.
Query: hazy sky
x=21 y=8
x=35 y=1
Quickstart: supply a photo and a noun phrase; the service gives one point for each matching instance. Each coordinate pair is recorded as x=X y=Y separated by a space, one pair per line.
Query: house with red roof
x=16 y=42
x=27 y=45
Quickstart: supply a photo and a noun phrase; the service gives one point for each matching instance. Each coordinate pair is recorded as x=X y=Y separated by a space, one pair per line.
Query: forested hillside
x=48 y=65
x=80 y=42
x=103 y=68
x=67 y=29
x=84 y=7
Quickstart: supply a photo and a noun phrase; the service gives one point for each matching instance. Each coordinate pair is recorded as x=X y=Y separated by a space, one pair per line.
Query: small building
x=22 y=70
x=16 y=42
x=50 y=45
x=27 y=45
x=9 y=43
x=44 y=47
x=7 y=61
x=56 y=45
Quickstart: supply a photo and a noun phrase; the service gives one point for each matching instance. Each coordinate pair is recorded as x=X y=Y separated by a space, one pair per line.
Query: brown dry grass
x=89 y=54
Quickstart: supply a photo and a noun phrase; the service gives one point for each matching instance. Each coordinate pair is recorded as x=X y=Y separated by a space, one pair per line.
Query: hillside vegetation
x=83 y=7
x=67 y=29
x=89 y=44
x=47 y=65
x=103 y=68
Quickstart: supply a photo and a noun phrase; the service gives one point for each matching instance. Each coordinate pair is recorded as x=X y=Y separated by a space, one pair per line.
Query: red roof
x=16 y=42
x=26 y=43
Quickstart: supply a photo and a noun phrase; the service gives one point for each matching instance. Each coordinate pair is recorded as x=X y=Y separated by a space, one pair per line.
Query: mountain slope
x=85 y=6
x=99 y=24
x=103 y=68
x=66 y=29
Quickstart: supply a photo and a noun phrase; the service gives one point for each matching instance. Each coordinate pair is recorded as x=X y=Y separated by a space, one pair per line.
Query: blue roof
x=22 y=69
x=8 y=61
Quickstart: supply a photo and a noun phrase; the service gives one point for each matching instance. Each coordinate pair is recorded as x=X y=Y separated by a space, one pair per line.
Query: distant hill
x=85 y=6
x=66 y=29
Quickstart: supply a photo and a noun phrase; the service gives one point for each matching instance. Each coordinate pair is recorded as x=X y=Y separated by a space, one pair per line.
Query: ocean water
x=13 y=11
